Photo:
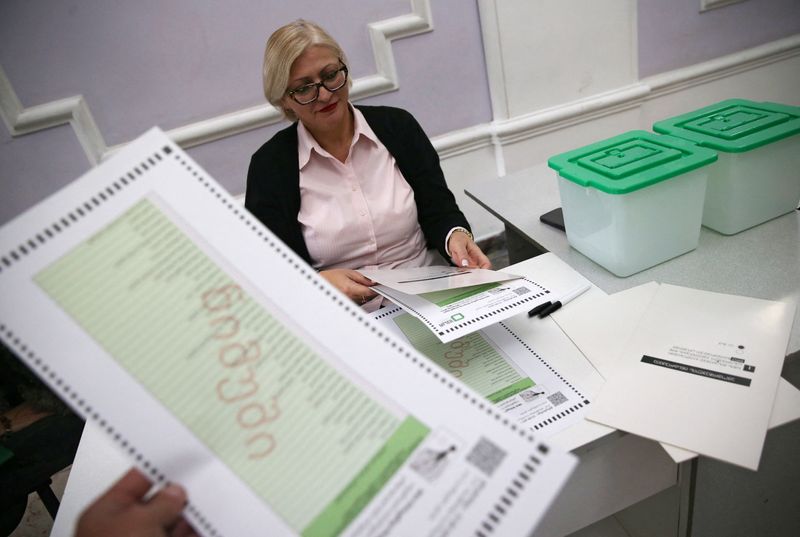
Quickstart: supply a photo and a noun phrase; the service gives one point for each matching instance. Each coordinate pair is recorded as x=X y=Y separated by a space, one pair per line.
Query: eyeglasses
x=331 y=81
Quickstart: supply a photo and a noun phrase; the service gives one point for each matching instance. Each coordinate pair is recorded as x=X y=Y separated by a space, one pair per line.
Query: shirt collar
x=306 y=142
x=362 y=128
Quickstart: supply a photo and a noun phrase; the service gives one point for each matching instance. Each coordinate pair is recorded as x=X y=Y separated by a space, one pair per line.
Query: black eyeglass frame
x=321 y=84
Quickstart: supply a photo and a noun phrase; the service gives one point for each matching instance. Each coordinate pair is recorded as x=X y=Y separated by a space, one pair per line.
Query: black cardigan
x=273 y=180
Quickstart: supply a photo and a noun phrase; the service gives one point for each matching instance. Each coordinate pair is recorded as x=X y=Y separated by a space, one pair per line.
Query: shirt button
x=355 y=188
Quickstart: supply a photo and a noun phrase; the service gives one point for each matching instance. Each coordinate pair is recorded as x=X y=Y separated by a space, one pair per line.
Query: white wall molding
x=557 y=117
x=495 y=64
x=71 y=110
x=75 y=111
x=382 y=34
x=705 y=5
x=528 y=126
x=542 y=121
x=724 y=66
x=463 y=141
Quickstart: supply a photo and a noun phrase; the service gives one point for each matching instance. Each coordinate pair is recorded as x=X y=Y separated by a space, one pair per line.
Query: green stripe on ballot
x=472 y=358
x=347 y=505
x=451 y=296
x=510 y=391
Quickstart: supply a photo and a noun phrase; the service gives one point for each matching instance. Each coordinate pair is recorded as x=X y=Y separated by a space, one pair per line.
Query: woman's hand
x=352 y=283
x=122 y=511
x=465 y=253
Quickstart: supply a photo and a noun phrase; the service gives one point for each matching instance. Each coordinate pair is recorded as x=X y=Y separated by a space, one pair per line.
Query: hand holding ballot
x=352 y=283
x=464 y=252
x=127 y=509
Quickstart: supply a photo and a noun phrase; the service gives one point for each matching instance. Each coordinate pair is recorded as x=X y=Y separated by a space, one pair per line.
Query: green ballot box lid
x=734 y=125
x=630 y=161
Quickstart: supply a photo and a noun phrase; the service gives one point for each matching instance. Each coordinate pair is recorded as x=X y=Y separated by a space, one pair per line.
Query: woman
x=348 y=187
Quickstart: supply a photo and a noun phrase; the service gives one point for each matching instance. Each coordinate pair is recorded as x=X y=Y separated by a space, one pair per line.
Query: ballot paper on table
x=162 y=311
x=601 y=325
x=601 y=338
x=449 y=302
x=530 y=371
x=700 y=372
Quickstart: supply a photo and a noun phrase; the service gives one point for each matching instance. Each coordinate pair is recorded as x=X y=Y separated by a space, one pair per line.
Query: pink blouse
x=360 y=213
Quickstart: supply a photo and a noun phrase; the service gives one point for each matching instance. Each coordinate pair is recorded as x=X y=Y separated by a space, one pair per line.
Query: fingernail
x=174 y=491
x=464 y=262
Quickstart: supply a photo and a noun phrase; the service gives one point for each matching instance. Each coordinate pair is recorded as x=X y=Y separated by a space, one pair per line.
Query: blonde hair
x=284 y=46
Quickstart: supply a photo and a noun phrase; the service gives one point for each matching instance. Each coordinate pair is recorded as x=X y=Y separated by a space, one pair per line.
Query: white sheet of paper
x=418 y=280
x=601 y=338
x=162 y=311
x=601 y=325
x=787 y=404
x=785 y=409
x=700 y=372
x=453 y=313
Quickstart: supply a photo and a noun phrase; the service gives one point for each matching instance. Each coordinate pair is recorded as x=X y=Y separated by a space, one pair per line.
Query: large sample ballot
x=162 y=311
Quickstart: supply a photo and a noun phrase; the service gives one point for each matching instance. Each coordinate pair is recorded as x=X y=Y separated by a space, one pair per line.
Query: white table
x=761 y=262
x=616 y=470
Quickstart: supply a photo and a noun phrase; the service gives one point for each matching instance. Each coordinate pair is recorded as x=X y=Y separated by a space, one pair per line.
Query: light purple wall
x=674 y=34
x=151 y=62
